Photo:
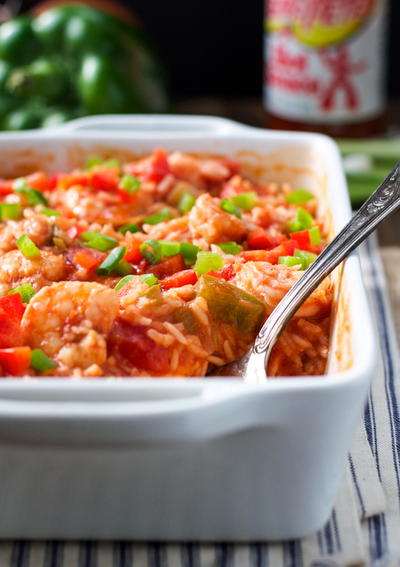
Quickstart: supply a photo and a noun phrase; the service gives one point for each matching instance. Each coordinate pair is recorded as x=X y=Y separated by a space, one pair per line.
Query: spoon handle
x=381 y=204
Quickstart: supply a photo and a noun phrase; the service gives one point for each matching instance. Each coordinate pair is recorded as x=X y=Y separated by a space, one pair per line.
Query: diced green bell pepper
x=185 y=315
x=229 y=304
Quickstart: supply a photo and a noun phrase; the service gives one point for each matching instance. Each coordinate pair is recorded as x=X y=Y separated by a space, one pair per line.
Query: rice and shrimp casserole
x=164 y=266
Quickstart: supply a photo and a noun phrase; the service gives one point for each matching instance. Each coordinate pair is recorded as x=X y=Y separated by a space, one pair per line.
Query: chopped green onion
x=299 y=197
x=10 y=211
x=229 y=207
x=92 y=161
x=132 y=227
x=189 y=251
x=26 y=291
x=169 y=248
x=151 y=251
x=291 y=261
x=207 y=261
x=230 y=247
x=20 y=185
x=302 y=221
x=294 y=226
x=40 y=361
x=155 y=250
x=186 y=203
x=122 y=282
x=245 y=201
x=162 y=216
x=304 y=218
x=181 y=188
x=33 y=196
x=315 y=235
x=150 y=279
x=112 y=261
x=113 y=162
x=102 y=243
x=123 y=268
x=89 y=235
x=98 y=241
x=307 y=257
x=130 y=184
x=50 y=212
x=28 y=247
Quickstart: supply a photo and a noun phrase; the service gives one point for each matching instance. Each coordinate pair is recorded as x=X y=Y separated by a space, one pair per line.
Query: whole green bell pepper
x=72 y=61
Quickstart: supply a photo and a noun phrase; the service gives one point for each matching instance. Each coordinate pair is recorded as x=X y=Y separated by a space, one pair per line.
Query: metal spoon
x=382 y=203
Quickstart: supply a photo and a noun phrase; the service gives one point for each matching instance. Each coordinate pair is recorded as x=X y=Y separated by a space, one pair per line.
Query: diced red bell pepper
x=105 y=179
x=11 y=311
x=158 y=167
x=286 y=248
x=133 y=254
x=302 y=237
x=132 y=343
x=67 y=180
x=38 y=181
x=226 y=273
x=261 y=239
x=16 y=360
x=6 y=186
x=260 y=256
x=53 y=181
x=13 y=306
x=168 y=266
x=125 y=196
x=89 y=259
x=185 y=277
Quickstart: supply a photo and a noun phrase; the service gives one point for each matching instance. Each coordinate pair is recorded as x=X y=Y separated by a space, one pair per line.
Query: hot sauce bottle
x=324 y=66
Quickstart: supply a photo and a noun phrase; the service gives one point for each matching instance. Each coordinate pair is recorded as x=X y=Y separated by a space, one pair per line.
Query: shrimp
x=70 y=321
x=15 y=269
x=196 y=171
x=38 y=227
x=80 y=202
x=175 y=229
x=270 y=283
x=209 y=222
x=104 y=207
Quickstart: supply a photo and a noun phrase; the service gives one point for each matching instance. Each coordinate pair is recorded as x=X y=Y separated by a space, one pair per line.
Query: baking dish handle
x=211 y=413
x=154 y=123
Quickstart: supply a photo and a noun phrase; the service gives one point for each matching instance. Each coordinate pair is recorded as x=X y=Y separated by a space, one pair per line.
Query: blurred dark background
x=214 y=47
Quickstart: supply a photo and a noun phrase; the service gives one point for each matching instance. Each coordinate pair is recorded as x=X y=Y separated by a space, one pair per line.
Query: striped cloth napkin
x=364 y=528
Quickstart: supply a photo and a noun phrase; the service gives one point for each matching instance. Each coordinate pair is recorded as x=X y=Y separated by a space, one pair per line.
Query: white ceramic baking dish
x=185 y=459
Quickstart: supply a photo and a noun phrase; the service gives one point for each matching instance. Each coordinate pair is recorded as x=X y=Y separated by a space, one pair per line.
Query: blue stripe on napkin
x=392 y=402
x=53 y=554
x=357 y=486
